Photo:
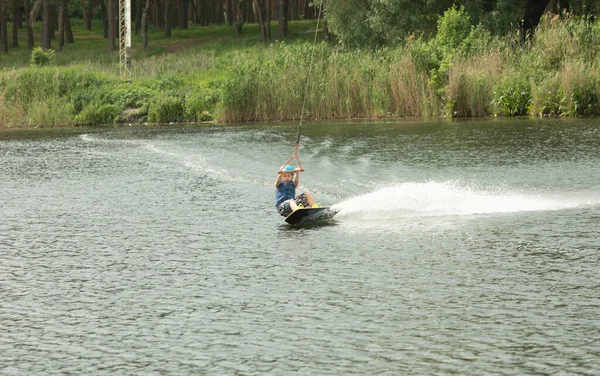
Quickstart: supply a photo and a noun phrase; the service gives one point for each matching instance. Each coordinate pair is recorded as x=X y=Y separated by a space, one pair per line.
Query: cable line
x=312 y=53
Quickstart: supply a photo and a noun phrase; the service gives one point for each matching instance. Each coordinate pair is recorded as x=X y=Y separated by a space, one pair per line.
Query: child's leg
x=293 y=205
x=310 y=199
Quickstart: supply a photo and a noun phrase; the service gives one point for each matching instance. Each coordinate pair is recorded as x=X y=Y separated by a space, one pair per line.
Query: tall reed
x=471 y=82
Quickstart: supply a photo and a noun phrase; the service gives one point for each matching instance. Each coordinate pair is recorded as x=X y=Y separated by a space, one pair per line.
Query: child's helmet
x=287 y=168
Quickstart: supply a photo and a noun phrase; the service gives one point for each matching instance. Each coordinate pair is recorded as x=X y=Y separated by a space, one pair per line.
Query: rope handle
x=295 y=156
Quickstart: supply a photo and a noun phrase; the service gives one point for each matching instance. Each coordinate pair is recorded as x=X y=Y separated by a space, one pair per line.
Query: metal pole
x=125 y=39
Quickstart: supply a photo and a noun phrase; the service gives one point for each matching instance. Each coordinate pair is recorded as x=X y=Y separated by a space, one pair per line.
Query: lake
x=460 y=247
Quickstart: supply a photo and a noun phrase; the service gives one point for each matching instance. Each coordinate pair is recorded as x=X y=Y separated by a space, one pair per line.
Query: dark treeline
x=55 y=16
x=355 y=23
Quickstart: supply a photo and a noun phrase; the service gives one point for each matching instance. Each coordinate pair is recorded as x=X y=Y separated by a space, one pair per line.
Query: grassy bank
x=208 y=73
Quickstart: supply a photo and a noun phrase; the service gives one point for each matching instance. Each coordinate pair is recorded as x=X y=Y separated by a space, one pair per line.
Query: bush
x=426 y=56
x=579 y=89
x=453 y=28
x=129 y=95
x=512 y=96
x=548 y=98
x=98 y=114
x=40 y=57
x=167 y=109
x=200 y=104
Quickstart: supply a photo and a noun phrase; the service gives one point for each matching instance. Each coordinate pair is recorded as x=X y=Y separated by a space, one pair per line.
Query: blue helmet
x=287 y=168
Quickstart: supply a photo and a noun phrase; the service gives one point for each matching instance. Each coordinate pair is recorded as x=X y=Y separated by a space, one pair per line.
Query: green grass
x=206 y=73
x=92 y=48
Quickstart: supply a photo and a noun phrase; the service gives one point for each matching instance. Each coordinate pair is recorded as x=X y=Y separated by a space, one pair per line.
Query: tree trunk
x=196 y=15
x=84 y=11
x=3 y=29
x=229 y=12
x=239 y=16
x=159 y=18
x=104 y=18
x=167 y=31
x=175 y=5
x=283 y=18
x=53 y=21
x=28 y=24
x=220 y=13
x=46 y=24
x=68 y=30
x=184 y=14
x=138 y=16
x=90 y=14
x=16 y=15
x=144 y=24
x=61 y=25
x=294 y=10
x=261 y=10
x=112 y=35
x=249 y=13
x=534 y=9
x=267 y=19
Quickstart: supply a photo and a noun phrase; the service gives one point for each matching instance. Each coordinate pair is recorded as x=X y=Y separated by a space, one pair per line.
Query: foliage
x=98 y=114
x=200 y=105
x=41 y=57
x=548 y=97
x=453 y=28
x=580 y=90
x=462 y=70
x=166 y=109
x=512 y=96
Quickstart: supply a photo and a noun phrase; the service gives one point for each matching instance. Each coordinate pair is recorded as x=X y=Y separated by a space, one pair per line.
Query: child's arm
x=278 y=180
x=297 y=176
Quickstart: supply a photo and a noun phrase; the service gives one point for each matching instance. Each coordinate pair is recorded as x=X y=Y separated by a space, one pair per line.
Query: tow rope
x=312 y=52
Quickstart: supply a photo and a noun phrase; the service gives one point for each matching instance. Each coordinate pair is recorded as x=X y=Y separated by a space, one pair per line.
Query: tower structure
x=125 y=39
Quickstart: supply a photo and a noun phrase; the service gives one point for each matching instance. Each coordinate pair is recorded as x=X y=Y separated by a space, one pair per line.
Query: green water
x=464 y=248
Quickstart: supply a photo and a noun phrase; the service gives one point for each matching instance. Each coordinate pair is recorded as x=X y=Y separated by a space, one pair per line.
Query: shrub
x=426 y=56
x=453 y=28
x=470 y=85
x=512 y=96
x=548 y=97
x=200 y=104
x=98 y=114
x=579 y=90
x=167 y=109
x=40 y=57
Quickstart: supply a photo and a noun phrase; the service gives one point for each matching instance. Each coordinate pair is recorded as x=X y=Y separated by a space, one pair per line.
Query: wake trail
x=451 y=199
x=190 y=160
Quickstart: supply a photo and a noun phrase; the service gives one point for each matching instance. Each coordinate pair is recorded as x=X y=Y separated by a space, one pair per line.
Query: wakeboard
x=310 y=215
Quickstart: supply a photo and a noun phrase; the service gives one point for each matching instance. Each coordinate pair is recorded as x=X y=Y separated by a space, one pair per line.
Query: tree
x=239 y=16
x=3 y=27
x=46 y=26
x=112 y=24
x=167 y=31
x=144 y=23
x=184 y=6
x=283 y=18
x=104 y=12
x=28 y=24
x=68 y=31
x=139 y=9
x=61 y=24
x=261 y=8
x=16 y=16
x=370 y=23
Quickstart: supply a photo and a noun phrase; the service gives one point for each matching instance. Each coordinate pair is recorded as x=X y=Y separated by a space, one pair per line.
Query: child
x=286 y=184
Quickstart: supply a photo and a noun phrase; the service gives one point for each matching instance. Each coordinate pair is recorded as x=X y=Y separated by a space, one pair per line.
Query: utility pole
x=125 y=39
